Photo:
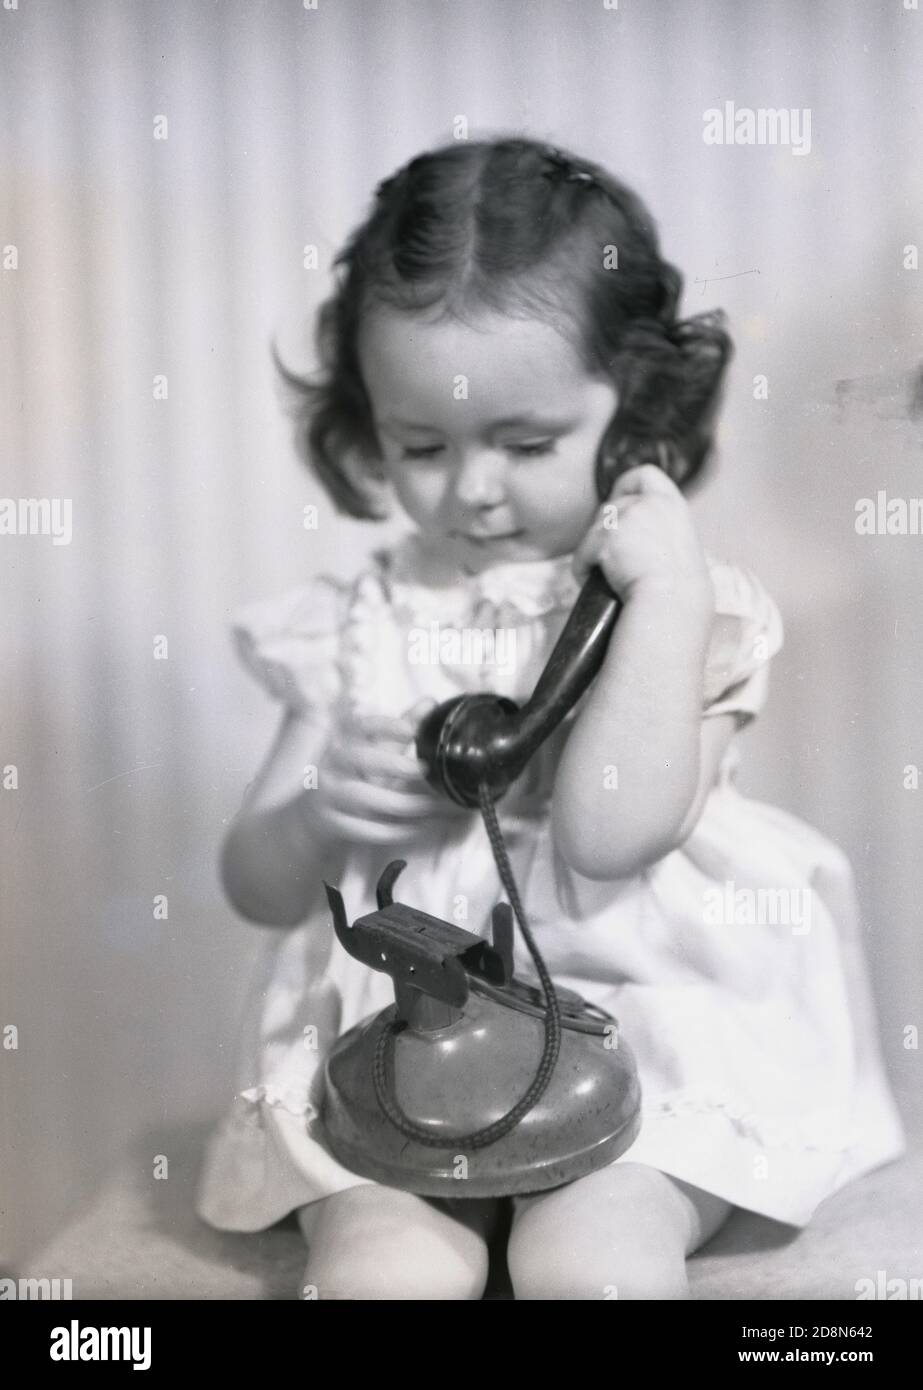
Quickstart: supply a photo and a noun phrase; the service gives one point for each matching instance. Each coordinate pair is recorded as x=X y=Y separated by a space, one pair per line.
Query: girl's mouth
x=487 y=540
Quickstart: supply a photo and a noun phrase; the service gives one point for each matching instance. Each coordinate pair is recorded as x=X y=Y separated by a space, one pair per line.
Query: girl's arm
x=286 y=838
x=640 y=760
x=274 y=854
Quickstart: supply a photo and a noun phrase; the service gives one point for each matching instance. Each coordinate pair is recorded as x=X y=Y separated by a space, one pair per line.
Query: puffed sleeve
x=290 y=644
x=747 y=633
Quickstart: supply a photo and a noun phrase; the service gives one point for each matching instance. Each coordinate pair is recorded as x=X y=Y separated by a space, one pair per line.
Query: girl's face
x=489 y=433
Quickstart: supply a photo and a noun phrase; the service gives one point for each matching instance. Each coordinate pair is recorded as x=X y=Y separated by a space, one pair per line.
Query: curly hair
x=529 y=230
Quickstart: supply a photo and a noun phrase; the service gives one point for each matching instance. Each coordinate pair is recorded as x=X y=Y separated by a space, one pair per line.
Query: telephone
x=433 y=1094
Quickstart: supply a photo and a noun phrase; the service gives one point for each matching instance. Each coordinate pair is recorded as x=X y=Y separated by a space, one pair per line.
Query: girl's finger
x=373 y=761
x=367 y=832
x=377 y=726
x=609 y=517
x=644 y=478
x=380 y=801
x=418 y=710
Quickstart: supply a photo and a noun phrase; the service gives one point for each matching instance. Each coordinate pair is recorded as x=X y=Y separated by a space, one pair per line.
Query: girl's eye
x=427 y=452
x=533 y=450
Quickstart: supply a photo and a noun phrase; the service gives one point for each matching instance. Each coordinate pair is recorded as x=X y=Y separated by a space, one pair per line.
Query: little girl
x=503 y=359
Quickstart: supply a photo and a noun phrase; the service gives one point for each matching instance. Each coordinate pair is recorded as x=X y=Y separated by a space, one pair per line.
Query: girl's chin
x=476 y=554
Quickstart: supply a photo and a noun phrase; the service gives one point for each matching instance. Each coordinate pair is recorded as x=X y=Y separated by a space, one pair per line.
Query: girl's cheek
x=427 y=499
x=413 y=495
x=421 y=503
x=565 y=499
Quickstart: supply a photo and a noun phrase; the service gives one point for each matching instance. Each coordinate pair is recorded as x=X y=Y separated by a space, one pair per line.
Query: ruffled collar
x=424 y=580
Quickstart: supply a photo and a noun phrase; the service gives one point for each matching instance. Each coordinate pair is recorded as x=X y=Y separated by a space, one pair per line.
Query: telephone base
x=463 y=1077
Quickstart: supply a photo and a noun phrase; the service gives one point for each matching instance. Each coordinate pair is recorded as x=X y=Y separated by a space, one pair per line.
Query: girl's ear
x=368 y=478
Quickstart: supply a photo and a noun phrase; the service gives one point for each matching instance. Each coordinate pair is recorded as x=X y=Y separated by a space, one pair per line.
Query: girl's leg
x=375 y=1242
x=622 y=1232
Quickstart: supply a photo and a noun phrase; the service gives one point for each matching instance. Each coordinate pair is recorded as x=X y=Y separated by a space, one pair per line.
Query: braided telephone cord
x=383 y=1063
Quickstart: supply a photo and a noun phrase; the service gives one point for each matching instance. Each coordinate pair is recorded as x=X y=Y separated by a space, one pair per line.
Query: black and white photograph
x=461 y=540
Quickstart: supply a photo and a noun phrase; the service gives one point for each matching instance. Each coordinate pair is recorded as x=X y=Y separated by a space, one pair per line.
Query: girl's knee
x=617 y=1234
x=374 y=1243
x=418 y=1271
x=605 y=1272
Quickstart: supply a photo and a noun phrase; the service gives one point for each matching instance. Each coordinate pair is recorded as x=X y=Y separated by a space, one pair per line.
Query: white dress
x=734 y=965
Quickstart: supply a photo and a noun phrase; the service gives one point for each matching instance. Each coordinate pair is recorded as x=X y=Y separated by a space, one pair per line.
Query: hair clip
x=562 y=167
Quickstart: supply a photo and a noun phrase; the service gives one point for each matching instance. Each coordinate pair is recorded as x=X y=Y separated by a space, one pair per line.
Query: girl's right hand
x=371 y=788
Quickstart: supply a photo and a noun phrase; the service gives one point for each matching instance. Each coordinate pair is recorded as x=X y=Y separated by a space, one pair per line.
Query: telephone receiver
x=484 y=738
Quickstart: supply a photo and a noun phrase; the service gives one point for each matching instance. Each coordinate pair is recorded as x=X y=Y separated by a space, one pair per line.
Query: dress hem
x=252 y=1177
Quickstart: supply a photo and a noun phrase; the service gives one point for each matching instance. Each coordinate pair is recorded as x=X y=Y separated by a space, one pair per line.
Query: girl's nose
x=479 y=482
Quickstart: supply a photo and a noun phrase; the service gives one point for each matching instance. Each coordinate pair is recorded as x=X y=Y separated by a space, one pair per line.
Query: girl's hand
x=371 y=788
x=643 y=539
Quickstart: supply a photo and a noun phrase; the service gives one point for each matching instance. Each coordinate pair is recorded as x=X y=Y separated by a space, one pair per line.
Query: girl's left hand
x=643 y=539
x=371 y=789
